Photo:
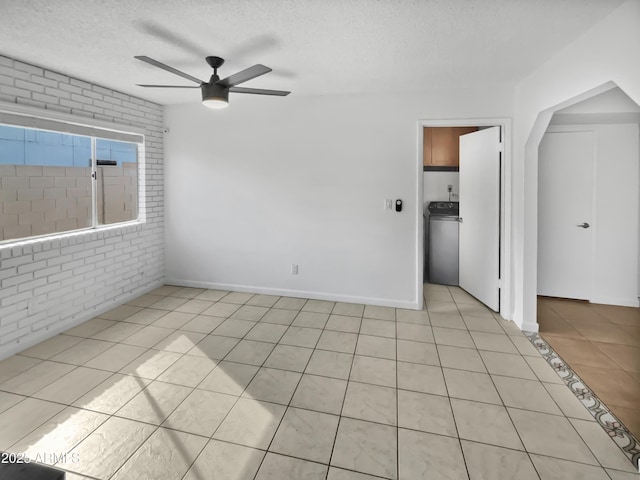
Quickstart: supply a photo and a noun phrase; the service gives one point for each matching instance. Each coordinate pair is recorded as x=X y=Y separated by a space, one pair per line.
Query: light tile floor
x=195 y=384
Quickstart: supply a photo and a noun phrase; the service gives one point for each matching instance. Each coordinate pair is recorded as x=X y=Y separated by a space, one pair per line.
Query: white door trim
x=506 y=290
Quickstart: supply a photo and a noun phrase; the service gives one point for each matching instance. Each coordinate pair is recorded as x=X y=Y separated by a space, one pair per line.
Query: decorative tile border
x=607 y=420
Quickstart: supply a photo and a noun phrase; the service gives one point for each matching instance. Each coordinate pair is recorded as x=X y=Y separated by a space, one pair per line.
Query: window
x=57 y=176
x=117 y=181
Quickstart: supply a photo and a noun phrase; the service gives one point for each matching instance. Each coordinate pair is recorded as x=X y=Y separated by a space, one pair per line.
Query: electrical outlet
x=294 y=269
x=388 y=204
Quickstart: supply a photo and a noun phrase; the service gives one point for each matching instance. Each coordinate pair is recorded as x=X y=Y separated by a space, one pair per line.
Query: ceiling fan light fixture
x=215 y=92
x=215 y=96
x=215 y=103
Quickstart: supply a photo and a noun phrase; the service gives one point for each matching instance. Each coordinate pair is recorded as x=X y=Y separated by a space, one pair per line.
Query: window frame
x=19 y=116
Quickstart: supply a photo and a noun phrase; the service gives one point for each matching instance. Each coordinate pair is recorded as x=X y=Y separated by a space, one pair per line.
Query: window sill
x=53 y=240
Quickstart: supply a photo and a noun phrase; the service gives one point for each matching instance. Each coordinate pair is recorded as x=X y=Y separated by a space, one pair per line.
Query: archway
x=540 y=126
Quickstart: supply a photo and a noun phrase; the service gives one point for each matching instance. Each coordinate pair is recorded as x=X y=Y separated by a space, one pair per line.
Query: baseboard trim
x=529 y=326
x=13 y=348
x=334 y=297
x=619 y=302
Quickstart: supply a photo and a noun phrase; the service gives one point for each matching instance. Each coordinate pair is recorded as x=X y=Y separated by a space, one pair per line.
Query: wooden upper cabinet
x=444 y=147
x=441 y=146
x=426 y=138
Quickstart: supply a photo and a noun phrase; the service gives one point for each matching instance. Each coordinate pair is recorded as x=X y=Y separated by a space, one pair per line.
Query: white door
x=565 y=214
x=480 y=215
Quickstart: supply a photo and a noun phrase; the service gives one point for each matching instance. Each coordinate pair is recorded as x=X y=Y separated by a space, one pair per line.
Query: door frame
x=505 y=205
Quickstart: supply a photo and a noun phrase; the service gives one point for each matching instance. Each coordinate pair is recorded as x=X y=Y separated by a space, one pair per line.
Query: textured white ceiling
x=315 y=47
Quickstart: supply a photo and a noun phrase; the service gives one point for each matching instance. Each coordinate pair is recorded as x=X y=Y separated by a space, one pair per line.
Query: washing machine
x=443 y=242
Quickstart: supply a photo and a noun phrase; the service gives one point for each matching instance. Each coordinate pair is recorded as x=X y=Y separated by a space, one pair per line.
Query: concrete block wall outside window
x=53 y=283
x=38 y=200
x=45 y=179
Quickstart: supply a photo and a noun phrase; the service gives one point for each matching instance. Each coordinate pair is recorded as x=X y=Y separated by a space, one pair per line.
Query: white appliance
x=442 y=250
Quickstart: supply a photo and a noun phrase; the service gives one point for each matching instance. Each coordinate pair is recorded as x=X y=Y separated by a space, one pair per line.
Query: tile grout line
x=344 y=397
x=114 y=414
x=445 y=436
x=183 y=354
x=210 y=438
x=504 y=406
x=598 y=410
x=186 y=353
x=157 y=426
x=455 y=423
x=398 y=398
x=507 y=410
x=569 y=421
x=292 y=395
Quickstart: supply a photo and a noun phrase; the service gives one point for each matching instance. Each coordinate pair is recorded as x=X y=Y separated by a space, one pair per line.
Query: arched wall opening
x=532 y=189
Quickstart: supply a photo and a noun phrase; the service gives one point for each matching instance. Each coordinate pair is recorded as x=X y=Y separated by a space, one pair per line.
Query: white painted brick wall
x=50 y=285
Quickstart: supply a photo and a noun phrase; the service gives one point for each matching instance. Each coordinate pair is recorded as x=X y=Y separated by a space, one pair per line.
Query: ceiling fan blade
x=244 y=75
x=259 y=91
x=166 y=86
x=158 y=64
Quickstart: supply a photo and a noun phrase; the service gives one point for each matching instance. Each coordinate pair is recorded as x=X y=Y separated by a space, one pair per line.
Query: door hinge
x=94 y=175
x=501 y=147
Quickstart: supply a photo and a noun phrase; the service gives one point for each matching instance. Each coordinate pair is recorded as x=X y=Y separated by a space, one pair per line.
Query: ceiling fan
x=215 y=92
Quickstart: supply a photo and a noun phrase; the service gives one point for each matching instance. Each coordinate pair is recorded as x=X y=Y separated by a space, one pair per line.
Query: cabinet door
x=463 y=131
x=444 y=150
x=441 y=146
x=426 y=146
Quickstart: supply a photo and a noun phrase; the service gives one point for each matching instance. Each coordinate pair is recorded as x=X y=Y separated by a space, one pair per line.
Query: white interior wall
x=608 y=52
x=615 y=212
x=617 y=198
x=435 y=186
x=270 y=182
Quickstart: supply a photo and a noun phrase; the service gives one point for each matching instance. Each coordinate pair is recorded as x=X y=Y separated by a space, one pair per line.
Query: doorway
x=527 y=293
x=588 y=240
x=502 y=241
x=589 y=202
